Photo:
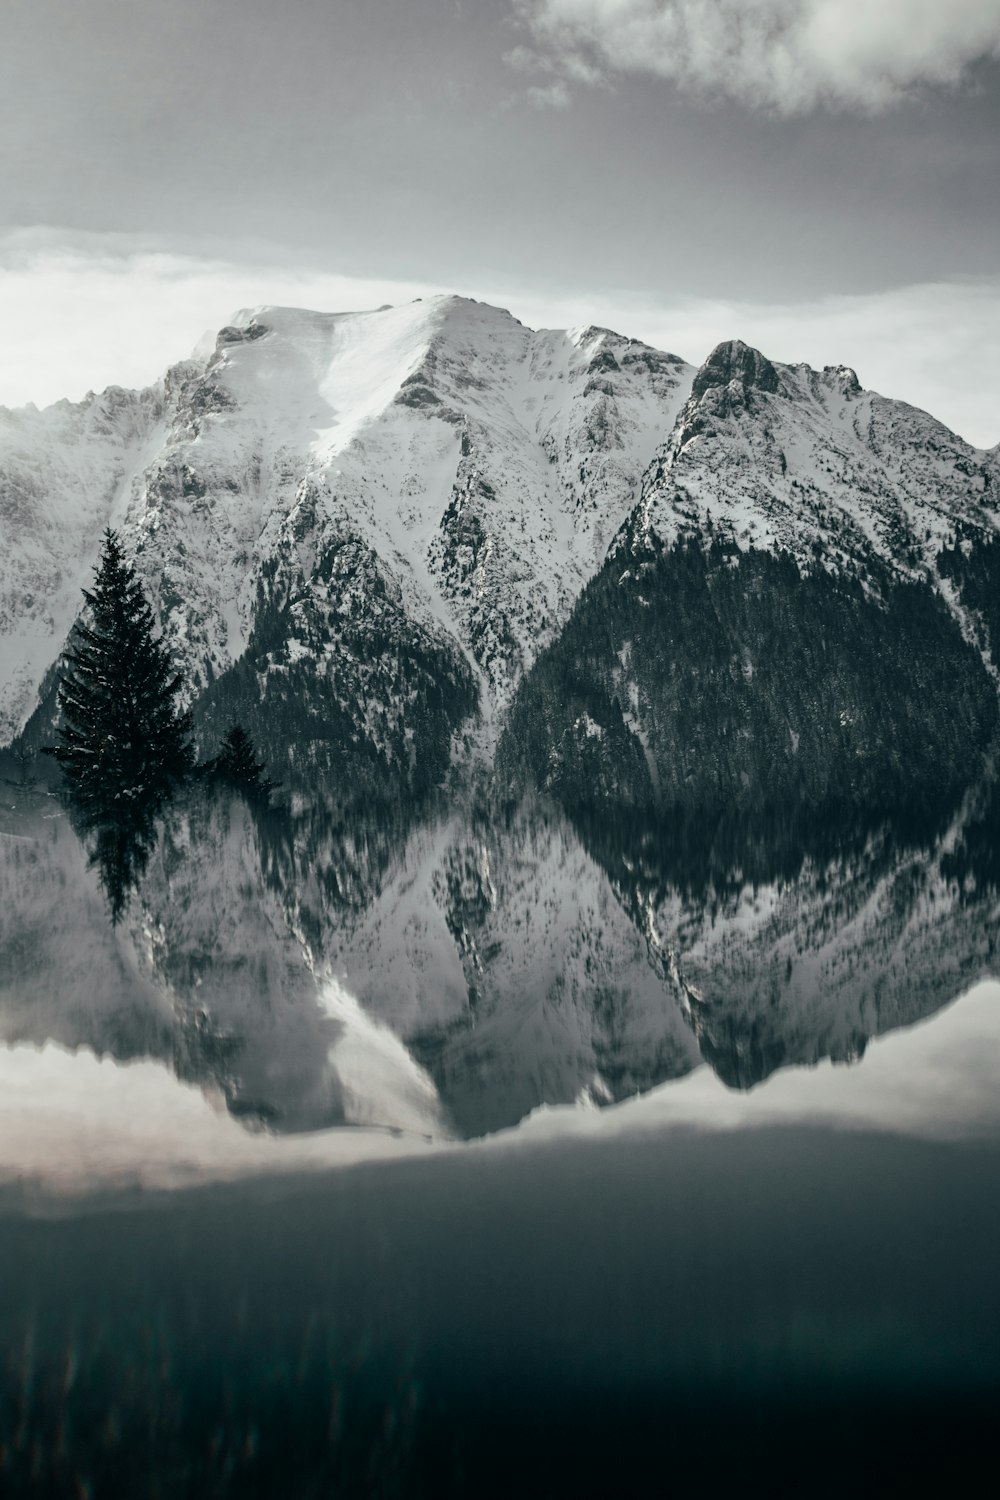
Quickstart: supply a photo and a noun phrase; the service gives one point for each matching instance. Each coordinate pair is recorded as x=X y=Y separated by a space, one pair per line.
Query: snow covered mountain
x=673 y=601
x=380 y=538
x=784 y=457
x=64 y=475
x=389 y=512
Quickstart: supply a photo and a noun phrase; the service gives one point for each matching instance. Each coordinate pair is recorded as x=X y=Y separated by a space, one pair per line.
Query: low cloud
x=83 y=311
x=788 y=56
x=88 y=311
x=554 y=95
x=932 y=344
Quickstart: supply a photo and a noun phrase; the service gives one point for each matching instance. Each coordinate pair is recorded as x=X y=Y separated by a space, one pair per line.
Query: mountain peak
x=734 y=362
x=727 y=385
x=843 y=379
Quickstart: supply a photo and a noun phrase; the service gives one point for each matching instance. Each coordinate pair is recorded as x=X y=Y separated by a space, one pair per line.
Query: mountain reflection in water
x=740 y=1265
x=446 y=974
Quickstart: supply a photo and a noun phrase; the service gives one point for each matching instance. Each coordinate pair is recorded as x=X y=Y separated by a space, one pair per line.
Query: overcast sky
x=821 y=177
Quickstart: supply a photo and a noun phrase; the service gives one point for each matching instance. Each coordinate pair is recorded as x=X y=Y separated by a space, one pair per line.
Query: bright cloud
x=85 y=311
x=932 y=345
x=93 y=311
x=785 y=55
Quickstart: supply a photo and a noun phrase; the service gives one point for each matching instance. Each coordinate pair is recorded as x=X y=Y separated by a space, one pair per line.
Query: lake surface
x=487 y=1150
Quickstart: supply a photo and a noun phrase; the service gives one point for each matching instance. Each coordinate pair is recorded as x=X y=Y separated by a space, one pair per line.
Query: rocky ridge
x=784 y=457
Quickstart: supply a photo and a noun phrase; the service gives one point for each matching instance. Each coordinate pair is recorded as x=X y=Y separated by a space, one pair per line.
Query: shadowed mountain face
x=717 y=678
x=452 y=975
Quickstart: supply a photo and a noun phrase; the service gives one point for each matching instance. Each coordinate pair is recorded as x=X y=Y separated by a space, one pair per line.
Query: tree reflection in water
x=120 y=839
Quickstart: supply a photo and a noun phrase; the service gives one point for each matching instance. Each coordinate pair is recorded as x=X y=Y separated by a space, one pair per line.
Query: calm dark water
x=492 y=1152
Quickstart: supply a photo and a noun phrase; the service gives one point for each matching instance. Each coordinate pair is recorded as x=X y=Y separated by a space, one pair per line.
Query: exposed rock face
x=784 y=457
x=737 y=370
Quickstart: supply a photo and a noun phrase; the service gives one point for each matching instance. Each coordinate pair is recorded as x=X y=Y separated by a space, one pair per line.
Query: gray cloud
x=789 y=56
x=554 y=95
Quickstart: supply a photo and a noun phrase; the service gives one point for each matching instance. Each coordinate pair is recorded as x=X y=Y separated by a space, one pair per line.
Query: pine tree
x=237 y=762
x=121 y=736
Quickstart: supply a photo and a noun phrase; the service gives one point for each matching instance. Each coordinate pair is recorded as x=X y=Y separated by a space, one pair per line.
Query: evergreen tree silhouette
x=237 y=762
x=122 y=738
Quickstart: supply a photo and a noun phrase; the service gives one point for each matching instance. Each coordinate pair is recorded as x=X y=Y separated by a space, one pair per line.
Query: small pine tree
x=121 y=736
x=237 y=762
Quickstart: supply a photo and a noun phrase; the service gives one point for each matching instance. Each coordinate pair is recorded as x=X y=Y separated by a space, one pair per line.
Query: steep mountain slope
x=385 y=515
x=787 y=457
x=802 y=604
